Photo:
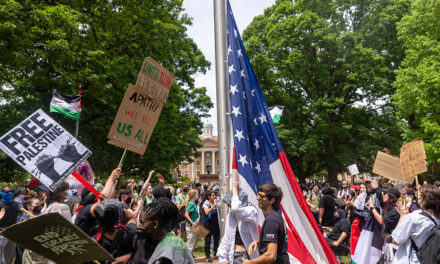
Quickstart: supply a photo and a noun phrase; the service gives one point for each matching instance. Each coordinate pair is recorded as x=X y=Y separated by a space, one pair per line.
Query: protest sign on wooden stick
x=44 y=149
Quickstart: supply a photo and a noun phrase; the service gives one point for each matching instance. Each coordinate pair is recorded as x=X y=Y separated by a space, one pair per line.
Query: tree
x=418 y=80
x=330 y=63
x=101 y=45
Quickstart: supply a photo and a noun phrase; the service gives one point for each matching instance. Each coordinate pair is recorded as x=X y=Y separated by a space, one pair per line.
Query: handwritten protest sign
x=55 y=238
x=387 y=166
x=135 y=121
x=43 y=148
x=208 y=178
x=353 y=169
x=154 y=80
x=412 y=158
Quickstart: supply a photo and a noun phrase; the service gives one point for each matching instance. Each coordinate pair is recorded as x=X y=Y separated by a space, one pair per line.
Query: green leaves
x=418 y=80
x=321 y=61
x=101 y=45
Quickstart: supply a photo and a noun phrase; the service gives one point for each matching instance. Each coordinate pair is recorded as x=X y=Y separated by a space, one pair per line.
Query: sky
x=202 y=32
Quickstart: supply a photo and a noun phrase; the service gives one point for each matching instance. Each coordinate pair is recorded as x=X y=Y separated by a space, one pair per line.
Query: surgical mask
x=7 y=197
x=69 y=194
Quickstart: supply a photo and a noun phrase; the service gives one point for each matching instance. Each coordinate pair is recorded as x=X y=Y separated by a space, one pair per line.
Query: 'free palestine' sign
x=44 y=149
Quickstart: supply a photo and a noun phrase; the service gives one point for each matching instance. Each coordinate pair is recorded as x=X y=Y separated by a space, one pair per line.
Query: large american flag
x=260 y=159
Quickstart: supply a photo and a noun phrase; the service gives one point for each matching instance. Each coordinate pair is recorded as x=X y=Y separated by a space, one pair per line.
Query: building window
x=217 y=172
x=198 y=173
x=218 y=162
x=208 y=154
x=198 y=162
x=186 y=174
x=186 y=163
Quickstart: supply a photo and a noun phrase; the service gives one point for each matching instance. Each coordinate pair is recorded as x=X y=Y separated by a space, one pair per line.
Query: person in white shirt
x=416 y=226
x=241 y=228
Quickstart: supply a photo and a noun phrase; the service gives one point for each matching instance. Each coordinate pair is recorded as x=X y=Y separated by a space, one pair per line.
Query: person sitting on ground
x=339 y=236
x=153 y=242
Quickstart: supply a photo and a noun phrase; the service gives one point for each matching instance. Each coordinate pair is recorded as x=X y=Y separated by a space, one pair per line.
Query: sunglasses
x=260 y=196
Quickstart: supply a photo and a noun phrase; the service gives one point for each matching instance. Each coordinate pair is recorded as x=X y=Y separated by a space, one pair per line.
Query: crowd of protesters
x=153 y=224
x=146 y=224
x=406 y=214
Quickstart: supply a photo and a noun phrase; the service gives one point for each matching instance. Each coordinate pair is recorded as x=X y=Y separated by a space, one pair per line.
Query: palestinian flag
x=69 y=106
x=275 y=113
x=36 y=185
x=369 y=246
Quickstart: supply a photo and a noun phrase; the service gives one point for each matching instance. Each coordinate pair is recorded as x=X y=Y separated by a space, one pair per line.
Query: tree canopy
x=100 y=45
x=331 y=64
x=418 y=80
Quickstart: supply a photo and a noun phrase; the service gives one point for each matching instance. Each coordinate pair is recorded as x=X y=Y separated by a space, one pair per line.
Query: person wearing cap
x=389 y=219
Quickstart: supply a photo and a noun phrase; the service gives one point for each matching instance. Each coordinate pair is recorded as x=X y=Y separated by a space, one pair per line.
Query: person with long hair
x=413 y=229
x=55 y=202
x=191 y=215
x=389 y=219
x=211 y=222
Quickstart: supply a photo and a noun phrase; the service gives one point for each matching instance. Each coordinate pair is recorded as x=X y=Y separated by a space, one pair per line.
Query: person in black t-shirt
x=272 y=245
x=327 y=207
x=339 y=236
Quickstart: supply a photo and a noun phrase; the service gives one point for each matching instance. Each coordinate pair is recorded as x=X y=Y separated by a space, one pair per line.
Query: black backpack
x=429 y=253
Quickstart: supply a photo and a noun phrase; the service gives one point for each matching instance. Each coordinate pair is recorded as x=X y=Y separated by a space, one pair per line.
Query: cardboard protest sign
x=353 y=169
x=55 y=238
x=135 y=121
x=43 y=148
x=154 y=80
x=208 y=178
x=388 y=166
x=412 y=158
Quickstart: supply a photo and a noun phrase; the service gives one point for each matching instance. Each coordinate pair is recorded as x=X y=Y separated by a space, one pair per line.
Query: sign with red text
x=44 y=149
x=208 y=178
x=135 y=121
x=154 y=80
x=55 y=238
x=412 y=158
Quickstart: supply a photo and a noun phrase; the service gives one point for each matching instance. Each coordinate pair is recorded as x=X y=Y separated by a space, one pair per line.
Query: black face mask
x=37 y=210
x=143 y=234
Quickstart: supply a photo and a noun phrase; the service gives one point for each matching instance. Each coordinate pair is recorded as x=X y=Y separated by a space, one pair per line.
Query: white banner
x=44 y=148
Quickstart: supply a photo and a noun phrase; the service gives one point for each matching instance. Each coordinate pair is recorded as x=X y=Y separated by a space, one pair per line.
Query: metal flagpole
x=76 y=128
x=221 y=64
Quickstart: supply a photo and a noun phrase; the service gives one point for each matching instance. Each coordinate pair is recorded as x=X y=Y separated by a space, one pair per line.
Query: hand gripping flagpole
x=221 y=62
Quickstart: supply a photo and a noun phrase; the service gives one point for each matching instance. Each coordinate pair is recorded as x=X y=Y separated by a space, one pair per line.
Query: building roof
x=207 y=125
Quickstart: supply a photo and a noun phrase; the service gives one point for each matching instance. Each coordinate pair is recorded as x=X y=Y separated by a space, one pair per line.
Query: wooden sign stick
x=121 y=162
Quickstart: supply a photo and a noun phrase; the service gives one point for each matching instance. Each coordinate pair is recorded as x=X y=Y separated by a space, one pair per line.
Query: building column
x=192 y=170
x=213 y=171
x=202 y=165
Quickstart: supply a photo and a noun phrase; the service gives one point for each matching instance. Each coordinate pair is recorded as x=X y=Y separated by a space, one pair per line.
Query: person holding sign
x=55 y=202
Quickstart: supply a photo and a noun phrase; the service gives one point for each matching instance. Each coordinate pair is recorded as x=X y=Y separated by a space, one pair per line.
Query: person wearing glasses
x=272 y=244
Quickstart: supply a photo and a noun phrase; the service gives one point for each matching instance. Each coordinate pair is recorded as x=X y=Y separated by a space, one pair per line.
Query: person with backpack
x=418 y=233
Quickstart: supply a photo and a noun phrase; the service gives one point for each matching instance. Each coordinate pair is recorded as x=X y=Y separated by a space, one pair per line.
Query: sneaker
x=208 y=259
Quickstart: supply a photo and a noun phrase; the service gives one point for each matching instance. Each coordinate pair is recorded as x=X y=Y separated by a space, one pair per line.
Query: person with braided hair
x=154 y=243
